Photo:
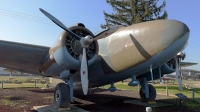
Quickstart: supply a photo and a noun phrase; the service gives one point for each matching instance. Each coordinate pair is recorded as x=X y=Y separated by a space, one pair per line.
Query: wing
x=22 y=57
x=186 y=64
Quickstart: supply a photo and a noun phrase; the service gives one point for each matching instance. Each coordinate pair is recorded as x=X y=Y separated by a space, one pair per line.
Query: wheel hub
x=57 y=95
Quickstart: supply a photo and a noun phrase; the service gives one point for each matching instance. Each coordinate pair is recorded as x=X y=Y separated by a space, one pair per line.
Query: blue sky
x=21 y=20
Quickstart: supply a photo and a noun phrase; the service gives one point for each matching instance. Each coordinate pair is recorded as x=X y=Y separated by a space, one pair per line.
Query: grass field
x=161 y=88
x=23 y=82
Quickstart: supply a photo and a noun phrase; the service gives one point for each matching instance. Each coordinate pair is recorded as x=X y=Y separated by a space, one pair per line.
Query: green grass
x=173 y=89
x=23 y=85
x=161 y=88
x=6 y=102
x=19 y=78
x=25 y=82
x=122 y=87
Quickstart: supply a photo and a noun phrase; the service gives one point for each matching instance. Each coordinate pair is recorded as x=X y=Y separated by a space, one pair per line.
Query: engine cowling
x=67 y=51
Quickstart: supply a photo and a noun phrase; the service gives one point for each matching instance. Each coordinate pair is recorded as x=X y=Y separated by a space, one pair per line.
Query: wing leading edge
x=22 y=57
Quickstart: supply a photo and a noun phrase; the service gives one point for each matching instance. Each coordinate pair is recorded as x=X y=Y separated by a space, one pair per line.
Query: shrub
x=28 y=80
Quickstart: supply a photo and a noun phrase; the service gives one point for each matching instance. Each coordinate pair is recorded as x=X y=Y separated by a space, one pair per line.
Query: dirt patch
x=23 y=99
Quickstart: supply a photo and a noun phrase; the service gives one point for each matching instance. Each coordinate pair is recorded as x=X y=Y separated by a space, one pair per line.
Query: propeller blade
x=178 y=77
x=60 y=24
x=84 y=72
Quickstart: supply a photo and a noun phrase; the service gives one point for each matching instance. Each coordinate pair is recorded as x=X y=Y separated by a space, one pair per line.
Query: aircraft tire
x=152 y=94
x=142 y=96
x=62 y=95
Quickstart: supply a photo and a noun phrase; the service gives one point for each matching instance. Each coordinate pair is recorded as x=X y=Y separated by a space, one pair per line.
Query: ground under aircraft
x=143 y=52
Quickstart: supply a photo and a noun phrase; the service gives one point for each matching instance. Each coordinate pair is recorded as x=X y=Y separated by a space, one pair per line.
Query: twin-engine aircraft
x=143 y=52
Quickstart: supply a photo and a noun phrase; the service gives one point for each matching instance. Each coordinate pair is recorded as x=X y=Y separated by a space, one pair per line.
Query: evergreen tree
x=128 y=12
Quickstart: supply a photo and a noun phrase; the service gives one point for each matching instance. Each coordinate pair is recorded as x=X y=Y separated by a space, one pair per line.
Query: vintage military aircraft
x=143 y=52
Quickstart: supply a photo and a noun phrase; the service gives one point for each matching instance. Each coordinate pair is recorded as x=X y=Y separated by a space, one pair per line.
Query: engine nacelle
x=165 y=69
x=67 y=51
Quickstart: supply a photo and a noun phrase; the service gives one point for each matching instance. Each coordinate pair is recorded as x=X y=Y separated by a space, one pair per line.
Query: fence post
x=167 y=90
x=2 y=85
x=193 y=94
x=35 y=83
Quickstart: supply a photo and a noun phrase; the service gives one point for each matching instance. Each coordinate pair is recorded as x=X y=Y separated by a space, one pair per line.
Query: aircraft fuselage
x=131 y=50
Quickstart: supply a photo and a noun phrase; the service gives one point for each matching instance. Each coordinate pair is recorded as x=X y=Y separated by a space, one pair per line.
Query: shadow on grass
x=12 y=98
x=42 y=90
x=15 y=98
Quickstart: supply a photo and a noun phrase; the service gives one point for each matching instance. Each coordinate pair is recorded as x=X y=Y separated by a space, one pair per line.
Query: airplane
x=83 y=60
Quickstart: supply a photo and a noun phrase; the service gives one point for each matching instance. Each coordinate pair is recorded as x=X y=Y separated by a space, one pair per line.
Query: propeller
x=60 y=24
x=85 y=42
x=84 y=72
x=178 y=77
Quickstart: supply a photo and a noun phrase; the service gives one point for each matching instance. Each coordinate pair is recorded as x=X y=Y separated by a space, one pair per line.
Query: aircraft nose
x=174 y=30
x=178 y=28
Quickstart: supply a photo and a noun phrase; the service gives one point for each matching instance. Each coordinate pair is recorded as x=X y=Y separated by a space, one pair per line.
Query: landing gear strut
x=147 y=91
x=62 y=95
x=152 y=94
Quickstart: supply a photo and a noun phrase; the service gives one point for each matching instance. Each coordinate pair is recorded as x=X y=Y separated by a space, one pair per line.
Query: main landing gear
x=63 y=94
x=147 y=91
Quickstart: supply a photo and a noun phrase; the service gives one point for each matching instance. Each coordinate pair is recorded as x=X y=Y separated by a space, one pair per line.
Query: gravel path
x=23 y=100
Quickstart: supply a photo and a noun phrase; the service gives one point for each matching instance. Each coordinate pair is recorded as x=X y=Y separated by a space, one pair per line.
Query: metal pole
x=193 y=94
x=35 y=83
x=2 y=85
x=167 y=90
x=160 y=75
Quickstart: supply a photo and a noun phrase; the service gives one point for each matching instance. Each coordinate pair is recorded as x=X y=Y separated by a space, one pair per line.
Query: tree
x=128 y=12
